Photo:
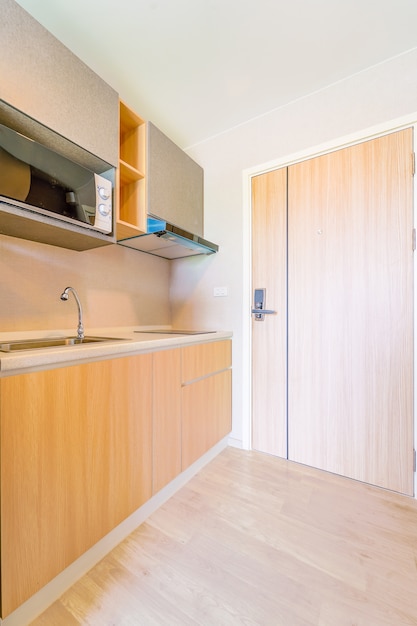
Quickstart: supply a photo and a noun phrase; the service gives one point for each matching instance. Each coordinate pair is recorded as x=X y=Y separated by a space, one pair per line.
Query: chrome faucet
x=64 y=296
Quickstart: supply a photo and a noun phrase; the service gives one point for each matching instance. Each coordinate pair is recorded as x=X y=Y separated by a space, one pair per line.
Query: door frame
x=284 y=161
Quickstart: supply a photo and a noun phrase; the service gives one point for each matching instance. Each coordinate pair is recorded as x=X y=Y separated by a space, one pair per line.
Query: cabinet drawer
x=204 y=359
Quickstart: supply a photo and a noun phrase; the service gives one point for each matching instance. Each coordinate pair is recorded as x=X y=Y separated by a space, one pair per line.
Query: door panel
x=269 y=351
x=350 y=311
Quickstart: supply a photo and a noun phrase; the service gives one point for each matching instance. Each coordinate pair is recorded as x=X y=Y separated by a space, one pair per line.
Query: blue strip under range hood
x=168 y=241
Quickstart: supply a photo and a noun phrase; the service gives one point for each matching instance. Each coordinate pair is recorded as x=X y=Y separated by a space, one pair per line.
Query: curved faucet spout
x=64 y=296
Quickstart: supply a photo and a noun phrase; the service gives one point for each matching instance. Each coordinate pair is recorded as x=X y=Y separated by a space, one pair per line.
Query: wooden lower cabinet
x=83 y=447
x=191 y=405
x=75 y=461
x=206 y=398
x=166 y=439
x=206 y=415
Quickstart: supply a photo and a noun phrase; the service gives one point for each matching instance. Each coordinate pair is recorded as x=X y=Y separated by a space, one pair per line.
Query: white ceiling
x=197 y=68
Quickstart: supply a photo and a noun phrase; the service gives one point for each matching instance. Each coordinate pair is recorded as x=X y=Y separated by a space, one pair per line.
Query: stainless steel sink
x=52 y=342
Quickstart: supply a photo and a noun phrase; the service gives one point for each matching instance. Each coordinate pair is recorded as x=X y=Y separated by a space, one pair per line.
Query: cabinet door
x=49 y=83
x=75 y=461
x=206 y=397
x=166 y=440
x=175 y=183
x=206 y=415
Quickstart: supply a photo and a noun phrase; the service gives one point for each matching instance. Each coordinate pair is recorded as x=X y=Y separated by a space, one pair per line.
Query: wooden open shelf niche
x=131 y=215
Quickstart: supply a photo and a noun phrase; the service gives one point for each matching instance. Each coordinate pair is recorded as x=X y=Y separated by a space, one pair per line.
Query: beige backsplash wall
x=117 y=286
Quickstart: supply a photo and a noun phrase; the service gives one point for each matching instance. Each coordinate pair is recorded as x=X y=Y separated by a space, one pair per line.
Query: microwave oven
x=39 y=179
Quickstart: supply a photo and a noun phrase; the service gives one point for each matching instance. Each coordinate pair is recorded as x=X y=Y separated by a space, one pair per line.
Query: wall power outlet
x=220 y=292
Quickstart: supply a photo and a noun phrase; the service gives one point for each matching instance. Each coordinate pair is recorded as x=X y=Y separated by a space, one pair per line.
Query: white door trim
x=247 y=174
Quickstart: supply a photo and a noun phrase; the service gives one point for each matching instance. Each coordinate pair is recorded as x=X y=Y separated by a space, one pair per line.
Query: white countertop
x=131 y=342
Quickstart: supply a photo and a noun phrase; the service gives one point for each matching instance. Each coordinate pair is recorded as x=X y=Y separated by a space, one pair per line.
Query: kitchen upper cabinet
x=206 y=397
x=76 y=461
x=155 y=179
x=50 y=96
x=46 y=81
x=175 y=183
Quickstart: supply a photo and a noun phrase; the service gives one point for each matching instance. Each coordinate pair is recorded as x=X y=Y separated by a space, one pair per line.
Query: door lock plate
x=259 y=310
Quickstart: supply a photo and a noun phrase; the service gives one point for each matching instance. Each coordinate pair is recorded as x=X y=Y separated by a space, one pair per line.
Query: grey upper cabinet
x=175 y=183
x=47 y=82
x=49 y=95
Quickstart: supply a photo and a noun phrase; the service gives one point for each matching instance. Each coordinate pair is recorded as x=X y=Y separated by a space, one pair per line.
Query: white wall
x=385 y=92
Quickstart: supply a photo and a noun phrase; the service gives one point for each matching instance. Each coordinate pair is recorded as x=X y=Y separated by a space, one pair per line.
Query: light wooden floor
x=253 y=539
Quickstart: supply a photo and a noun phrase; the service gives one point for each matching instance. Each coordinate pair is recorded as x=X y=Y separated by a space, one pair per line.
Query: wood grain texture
x=350 y=285
x=205 y=358
x=206 y=414
x=131 y=180
x=75 y=461
x=269 y=337
x=132 y=138
x=166 y=434
x=206 y=397
x=254 y=539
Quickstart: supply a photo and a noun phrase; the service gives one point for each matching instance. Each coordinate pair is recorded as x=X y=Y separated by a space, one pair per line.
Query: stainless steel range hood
x=168 y=241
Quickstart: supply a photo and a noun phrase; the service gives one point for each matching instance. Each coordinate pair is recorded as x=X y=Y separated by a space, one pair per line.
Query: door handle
x=263 y=311
x=259 y=303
